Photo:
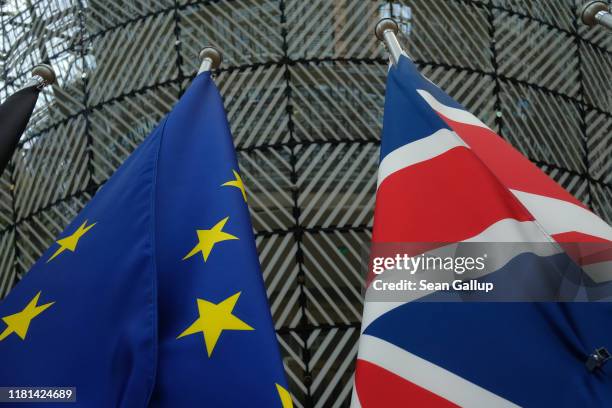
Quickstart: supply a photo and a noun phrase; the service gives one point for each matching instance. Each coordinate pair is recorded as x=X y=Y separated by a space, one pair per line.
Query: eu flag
x=153 y=295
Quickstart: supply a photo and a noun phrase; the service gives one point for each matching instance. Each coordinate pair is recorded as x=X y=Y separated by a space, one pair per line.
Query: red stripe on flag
x=513 y=169
x=448 y=198
x=380 y=388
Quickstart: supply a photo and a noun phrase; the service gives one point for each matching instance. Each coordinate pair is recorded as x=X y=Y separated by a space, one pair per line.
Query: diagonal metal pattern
x=337 y=184
x=7 y=253
x=543 y=127
x=559 y=13
x=50 y=167
x=331 y=29
x=596 y=76
x=103 y=16
x=334 y=101
x=6 y=200
x=303 y=84
x=256 y=104
x=599 y=146
x=135 y=116
x=535 y=53
x=438 y=29
x=602 y=200
x=143 y=40
x=247 y=31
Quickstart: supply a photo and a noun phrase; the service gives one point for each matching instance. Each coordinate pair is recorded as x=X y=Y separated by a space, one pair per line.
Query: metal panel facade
x=303 y=83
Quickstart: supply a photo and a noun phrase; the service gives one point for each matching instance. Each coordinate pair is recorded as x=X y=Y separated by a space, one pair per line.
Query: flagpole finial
x=211 y=59
x=383 y=25
x=596 y=12
x=45 y=73
x=385 y=30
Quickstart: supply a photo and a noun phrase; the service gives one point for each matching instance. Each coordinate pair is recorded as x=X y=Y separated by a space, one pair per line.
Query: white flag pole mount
x=596 y=12
x=211 y=59
x=386 y=30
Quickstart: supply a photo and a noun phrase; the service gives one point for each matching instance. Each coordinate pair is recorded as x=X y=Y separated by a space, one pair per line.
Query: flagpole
x=386 y=30
x=211 y=59
x=596 y=12
x=16 y=110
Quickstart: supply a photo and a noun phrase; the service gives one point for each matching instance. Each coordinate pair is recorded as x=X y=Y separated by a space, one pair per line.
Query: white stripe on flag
x=428 y=375
x=418 y=151
x=558 y=216
x=454 y=114
x=506 y=230
x=511 y=230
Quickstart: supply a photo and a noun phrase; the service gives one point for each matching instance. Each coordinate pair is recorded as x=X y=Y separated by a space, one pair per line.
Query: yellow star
x=19 y=323
x=285 y=397
x=214 y=319
x=237 y=183
x=71 y=241
x=208 y=238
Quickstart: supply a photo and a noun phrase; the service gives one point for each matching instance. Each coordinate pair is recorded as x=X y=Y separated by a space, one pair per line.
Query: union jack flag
x=444 y=176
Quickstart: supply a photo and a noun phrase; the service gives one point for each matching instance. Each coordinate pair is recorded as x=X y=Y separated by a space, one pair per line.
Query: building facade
x=303 y=84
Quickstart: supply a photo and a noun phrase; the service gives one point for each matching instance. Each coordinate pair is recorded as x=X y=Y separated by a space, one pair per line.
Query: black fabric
x=15 y=113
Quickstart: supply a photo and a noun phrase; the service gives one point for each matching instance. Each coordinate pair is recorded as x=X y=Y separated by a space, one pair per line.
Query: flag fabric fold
x=153 y=295
x=15 y=113
x=445 y=177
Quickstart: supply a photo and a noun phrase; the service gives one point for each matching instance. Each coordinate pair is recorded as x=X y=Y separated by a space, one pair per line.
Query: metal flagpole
x=386 y=30
x=596 y=12
x=15 y=112
x=211 y=59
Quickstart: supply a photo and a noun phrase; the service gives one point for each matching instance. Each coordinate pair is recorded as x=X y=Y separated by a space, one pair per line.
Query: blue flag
x=153 y=295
